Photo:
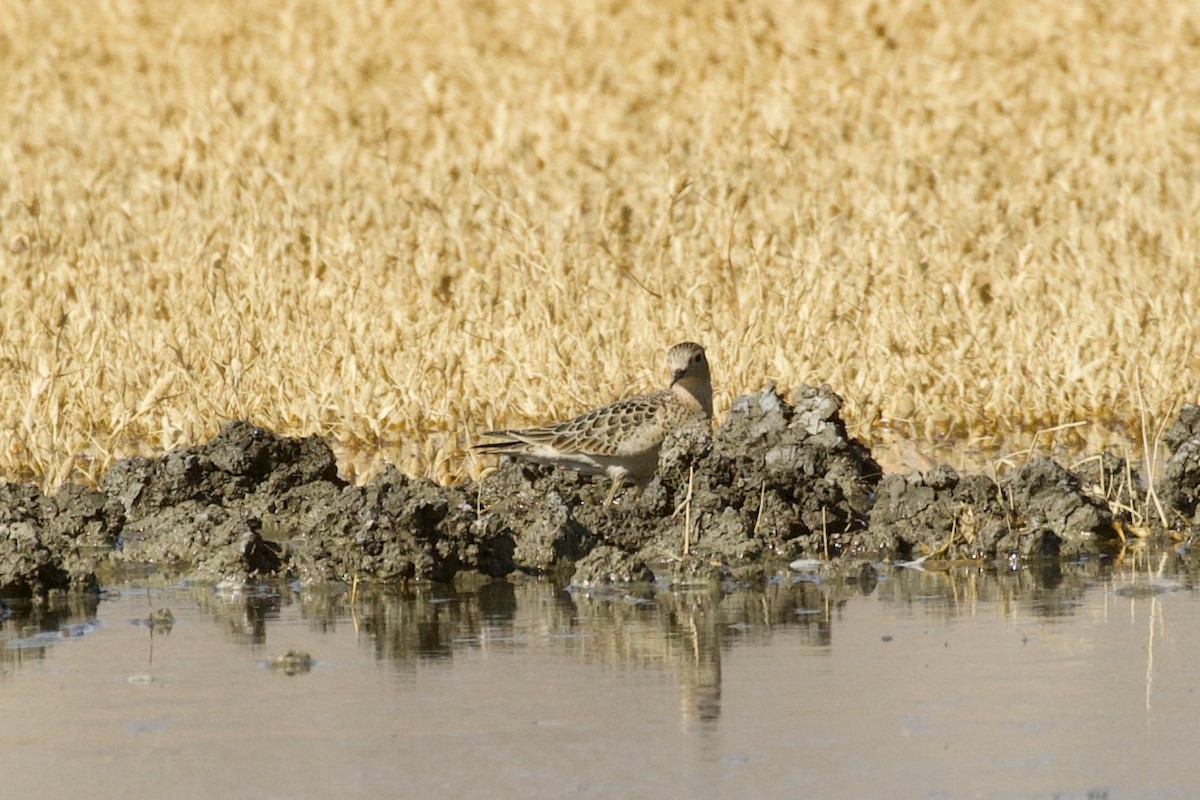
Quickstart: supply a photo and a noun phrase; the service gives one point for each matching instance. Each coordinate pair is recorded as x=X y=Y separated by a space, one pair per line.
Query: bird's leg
x=612 y=493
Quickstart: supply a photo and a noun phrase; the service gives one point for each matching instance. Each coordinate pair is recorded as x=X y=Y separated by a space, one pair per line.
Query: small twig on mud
x=1137 y=518
x=1055 y=429
x=824 y=533
x=945 y=548
x=762 y=498
x=1109 y=491
x=1129 y=475
x=687 y=517
x=1099 y=459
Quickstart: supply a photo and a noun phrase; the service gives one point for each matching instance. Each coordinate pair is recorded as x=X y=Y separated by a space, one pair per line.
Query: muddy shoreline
x=777 y=480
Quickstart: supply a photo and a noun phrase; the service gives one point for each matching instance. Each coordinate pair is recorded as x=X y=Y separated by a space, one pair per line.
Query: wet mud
x=777 y=480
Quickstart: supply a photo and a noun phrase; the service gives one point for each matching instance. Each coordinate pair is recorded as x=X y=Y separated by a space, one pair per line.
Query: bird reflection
x=681 y=633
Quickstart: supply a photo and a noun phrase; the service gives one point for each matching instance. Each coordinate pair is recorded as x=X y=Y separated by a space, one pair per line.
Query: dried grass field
x=399 y=224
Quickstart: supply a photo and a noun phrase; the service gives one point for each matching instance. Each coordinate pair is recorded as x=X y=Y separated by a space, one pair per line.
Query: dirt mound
x=774 y=480
x=250 y=503
x=1179 y=488
x=53 y=543
x=399 y=527
x=938 y=512
x=1040 y=511
x=216 y=510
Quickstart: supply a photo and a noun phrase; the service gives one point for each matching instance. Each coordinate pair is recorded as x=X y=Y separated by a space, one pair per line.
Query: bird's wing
x=613 y=430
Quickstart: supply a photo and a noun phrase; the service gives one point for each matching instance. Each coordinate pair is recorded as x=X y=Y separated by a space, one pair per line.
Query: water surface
x=1073 y=681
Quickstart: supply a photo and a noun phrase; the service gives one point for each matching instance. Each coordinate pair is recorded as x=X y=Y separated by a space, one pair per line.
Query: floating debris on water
x=293 y=662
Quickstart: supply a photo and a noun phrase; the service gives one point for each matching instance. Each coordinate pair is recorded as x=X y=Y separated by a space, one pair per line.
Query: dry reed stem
x=398 y=225
x=687 y=515
x=1150 y=454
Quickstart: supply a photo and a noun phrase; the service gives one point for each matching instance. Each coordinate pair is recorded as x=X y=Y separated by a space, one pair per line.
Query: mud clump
x=1053 y=515
x=1041 y=511
x=774 y=480
x=214 y=510
x=938 y=512
x=1179 y=488
x=251 y=504
x=53 y=543
x=397 y=527
x=538 y=509
x=607 y=565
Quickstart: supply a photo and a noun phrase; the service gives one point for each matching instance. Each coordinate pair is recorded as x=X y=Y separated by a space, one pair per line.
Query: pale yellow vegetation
x=399 y=224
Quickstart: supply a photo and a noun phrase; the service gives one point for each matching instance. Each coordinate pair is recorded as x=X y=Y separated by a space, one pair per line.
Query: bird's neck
x=697 y=395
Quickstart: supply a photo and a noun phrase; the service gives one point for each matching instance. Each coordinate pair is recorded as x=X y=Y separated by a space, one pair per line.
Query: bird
x=622 y=439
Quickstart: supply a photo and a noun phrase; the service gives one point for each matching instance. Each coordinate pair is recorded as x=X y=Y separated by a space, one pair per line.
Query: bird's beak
x=677 y=376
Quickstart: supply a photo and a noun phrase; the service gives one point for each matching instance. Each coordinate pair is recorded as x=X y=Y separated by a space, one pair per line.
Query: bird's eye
x=699 y=358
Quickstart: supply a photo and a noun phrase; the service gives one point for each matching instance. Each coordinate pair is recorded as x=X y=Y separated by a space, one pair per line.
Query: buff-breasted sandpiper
x=620 y=440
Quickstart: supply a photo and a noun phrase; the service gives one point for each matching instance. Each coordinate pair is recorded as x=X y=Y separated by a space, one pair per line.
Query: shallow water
x=1078 y=681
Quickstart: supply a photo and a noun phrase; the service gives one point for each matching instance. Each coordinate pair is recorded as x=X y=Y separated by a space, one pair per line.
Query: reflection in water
x=243 y=613
x=28 y=629
x=1070 y=680
x=1041 y=590
x=680 y=633
x=1049 y=591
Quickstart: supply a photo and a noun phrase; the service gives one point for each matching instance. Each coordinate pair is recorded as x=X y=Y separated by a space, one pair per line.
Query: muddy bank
x=776 y=479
